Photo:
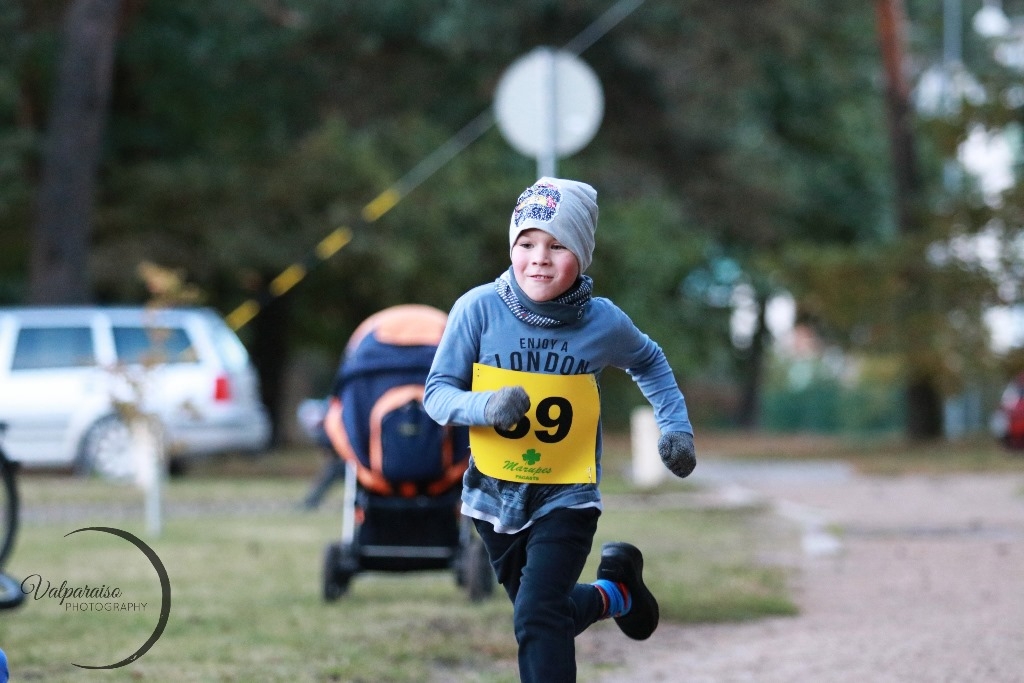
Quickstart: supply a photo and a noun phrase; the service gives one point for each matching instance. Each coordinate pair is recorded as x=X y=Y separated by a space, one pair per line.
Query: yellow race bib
x=554 y=443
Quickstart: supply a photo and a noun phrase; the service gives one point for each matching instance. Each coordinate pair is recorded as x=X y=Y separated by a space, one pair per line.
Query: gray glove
x=677 y=452
x=506 y=407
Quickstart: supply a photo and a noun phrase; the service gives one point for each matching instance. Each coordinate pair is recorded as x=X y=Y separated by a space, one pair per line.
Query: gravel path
x=916 y=579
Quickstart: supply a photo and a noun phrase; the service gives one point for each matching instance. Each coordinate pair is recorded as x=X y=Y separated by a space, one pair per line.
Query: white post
x=148 y=445
x=155 y=492
x=648 y=470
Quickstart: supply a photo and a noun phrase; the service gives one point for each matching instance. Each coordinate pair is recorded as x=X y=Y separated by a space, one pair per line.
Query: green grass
x=244 y=566
x=882 y=455
x=706 y=566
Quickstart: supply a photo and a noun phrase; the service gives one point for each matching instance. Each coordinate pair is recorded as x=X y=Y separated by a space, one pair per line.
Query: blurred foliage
x=834 y=393
x=743 y=144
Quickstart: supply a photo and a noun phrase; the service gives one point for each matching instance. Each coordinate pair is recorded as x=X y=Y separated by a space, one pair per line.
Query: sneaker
x=623 y=563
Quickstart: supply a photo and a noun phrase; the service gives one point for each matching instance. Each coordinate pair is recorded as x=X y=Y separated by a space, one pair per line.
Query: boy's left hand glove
x=677 y=452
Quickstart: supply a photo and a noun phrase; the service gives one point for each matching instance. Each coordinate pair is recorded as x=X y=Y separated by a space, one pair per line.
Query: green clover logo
x=531 y=457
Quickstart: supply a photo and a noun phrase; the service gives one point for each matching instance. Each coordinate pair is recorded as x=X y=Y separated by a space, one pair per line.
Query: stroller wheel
x=479 y=576
x=336 y=574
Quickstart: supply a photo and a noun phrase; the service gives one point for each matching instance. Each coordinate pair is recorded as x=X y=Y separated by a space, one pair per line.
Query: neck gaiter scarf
x=565 y=309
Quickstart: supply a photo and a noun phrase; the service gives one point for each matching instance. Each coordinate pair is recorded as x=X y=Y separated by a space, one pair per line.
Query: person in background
x=310 y=415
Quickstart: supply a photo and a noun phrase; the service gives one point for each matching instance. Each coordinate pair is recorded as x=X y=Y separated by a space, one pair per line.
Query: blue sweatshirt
x=482 y=329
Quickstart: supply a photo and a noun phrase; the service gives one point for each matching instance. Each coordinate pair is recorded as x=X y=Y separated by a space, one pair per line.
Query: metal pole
x=348 y=518
x=952 y=37
x=547 y=161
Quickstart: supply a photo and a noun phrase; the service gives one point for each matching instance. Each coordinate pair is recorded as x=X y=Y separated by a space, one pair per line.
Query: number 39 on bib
x=554 y=443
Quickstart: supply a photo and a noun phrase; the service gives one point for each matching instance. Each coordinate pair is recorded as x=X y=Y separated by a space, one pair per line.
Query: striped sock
x=617 y=601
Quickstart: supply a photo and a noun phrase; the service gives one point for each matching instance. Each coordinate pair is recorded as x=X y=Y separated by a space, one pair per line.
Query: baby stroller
x=404 y=471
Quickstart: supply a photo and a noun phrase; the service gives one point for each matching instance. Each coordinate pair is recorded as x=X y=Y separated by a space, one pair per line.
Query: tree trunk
x=923 y=400
x=924 y=409
x=58 y=269
x=749 y=410
x=892 y=31
x=269 y=351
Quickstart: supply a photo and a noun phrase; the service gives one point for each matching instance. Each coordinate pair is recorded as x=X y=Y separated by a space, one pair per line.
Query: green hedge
x=825 y=405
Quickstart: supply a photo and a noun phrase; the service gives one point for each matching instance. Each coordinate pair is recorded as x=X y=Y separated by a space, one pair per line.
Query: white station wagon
x=67 y=375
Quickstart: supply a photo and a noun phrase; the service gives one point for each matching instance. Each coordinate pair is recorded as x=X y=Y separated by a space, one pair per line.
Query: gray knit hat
x=565 y=209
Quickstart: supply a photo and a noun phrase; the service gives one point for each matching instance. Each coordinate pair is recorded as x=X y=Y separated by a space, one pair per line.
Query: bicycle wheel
x=8 y=508
x=11 y=594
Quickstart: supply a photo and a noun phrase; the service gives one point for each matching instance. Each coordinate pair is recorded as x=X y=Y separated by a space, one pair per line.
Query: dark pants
x=539 y=568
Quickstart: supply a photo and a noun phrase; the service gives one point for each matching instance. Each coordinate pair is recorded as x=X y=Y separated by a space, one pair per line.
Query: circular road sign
x=548 y=103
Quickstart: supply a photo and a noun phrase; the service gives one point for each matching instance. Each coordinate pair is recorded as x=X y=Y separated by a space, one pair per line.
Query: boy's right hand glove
x=677 y=452
x=506 y=407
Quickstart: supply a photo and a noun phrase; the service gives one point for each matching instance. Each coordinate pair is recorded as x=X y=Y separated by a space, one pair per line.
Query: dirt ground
x=900 y=580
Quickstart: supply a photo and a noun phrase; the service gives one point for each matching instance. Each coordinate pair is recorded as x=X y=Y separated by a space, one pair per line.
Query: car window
x=147 y=345
x=53 y=347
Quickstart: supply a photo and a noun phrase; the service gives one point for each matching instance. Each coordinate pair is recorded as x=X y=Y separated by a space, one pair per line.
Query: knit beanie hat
x=565 y=209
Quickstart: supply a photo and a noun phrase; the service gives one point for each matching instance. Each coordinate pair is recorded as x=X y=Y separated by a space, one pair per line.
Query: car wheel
x=106 y=450
x=177 y=467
